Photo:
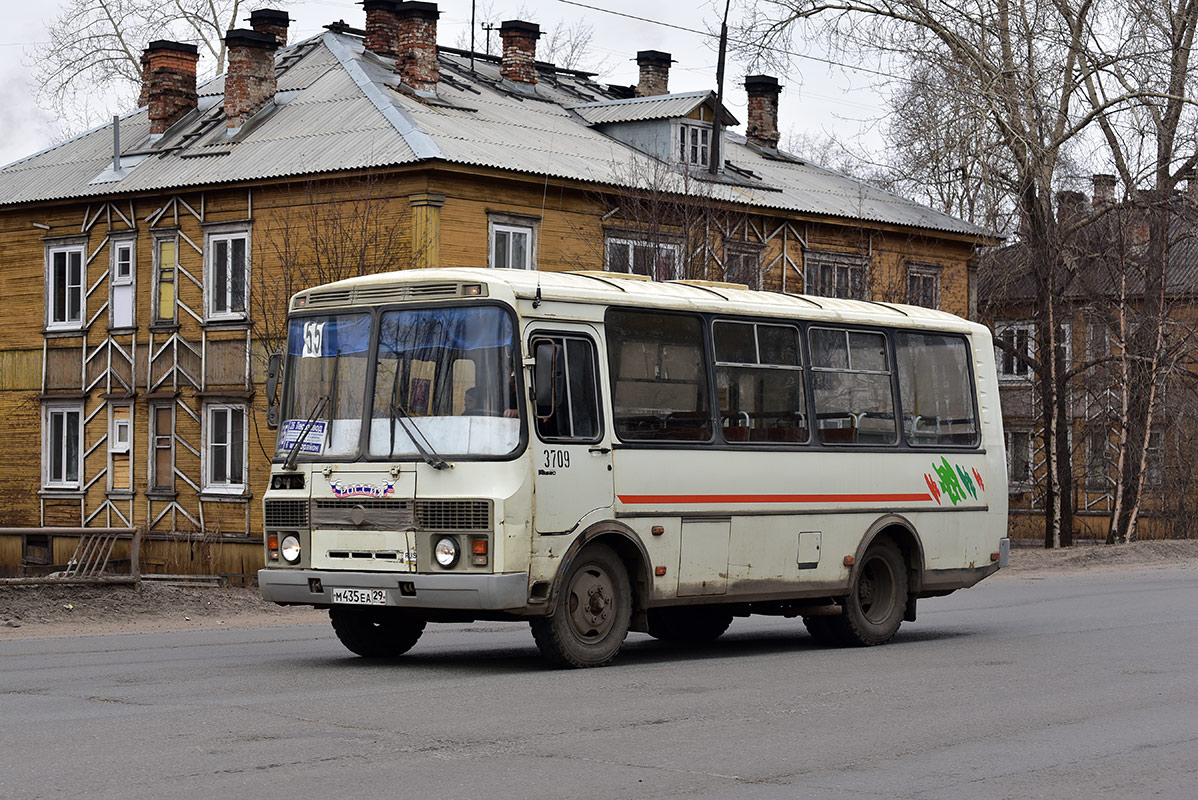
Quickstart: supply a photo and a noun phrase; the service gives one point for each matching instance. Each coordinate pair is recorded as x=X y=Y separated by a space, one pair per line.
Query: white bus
x=597 y=454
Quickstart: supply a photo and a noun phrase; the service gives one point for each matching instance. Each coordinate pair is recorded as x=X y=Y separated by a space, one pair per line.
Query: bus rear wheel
x=591 y=614
x=375 y=632
x=688 y=625
x=873 y=611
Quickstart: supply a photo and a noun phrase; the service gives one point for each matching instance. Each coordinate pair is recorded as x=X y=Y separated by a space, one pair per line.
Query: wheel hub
x=591 y=598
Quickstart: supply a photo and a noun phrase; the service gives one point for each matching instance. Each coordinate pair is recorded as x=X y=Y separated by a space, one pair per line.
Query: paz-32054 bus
x=596 y=454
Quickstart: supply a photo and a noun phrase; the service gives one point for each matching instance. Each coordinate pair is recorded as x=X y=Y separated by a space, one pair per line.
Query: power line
x=711 y=35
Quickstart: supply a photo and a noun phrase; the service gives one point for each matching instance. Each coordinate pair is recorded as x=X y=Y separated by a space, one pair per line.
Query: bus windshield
x=447 y=376
x=326 y=372
x=444 y=382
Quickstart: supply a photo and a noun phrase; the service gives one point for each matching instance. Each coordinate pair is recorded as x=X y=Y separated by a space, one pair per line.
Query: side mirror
x=545 y=379
x=274 y=369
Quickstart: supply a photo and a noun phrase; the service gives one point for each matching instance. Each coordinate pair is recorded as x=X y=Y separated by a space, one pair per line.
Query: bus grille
x=453 y=515
x=436 y=515
x=286 y=513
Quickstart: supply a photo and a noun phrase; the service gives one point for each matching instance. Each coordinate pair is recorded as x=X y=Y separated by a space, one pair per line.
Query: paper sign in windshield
x=313 y=442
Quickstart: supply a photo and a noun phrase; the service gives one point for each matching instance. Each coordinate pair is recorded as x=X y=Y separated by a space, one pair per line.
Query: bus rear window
x=935 y=389
x=659 y=376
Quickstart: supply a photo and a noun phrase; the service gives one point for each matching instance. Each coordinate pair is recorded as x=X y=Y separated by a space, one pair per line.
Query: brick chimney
x=406 y=32
x=250 y=80
x=655 y=72
x=1104 y=190
x=382 y=28
x=1071 y=206
x=762 y=128
x=519 y=51
x=271 y=22
x=168 y=82
x=416 y=61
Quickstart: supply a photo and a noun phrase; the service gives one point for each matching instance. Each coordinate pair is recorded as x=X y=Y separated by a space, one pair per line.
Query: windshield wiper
x=293 y=453
x=430 y=455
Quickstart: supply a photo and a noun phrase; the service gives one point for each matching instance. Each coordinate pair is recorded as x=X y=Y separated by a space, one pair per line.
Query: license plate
x=360 y=597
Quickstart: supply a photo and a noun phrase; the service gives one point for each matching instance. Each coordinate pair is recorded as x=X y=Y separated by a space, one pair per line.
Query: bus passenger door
x=571 y=451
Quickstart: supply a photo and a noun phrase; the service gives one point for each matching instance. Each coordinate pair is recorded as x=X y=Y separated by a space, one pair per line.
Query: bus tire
x=591 y=613
x=877 y=600
x=688 y=625
x=375 y=632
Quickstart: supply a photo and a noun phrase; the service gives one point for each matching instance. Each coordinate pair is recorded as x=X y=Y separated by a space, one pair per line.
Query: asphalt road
x=1064 y=687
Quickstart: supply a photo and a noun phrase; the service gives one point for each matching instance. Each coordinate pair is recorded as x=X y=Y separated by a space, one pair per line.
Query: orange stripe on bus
x=640 y=499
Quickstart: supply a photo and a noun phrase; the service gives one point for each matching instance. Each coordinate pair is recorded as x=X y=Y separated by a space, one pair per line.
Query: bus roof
x=619 y=289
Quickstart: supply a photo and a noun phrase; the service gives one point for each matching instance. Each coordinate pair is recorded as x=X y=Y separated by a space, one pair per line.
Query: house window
x=1097 y=440
x=1098 y=340
x=512 y=246
x=228 y=275
x=742 y=264
x=64 y=287
x=162 y=439
x=835 y=274
x=166 y=277
x=121 y=299
x=1019 y=460
x=658 y=261
x=923 y=285
x=62 y=437
x=694 y=144
x=120 y=440
x=225 y=448
x=1017 y=346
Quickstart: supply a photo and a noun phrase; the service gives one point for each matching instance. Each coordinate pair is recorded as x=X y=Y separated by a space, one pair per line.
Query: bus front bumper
x=457 y=592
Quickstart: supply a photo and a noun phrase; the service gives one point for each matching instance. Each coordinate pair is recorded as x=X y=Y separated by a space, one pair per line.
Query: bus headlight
x=446 y=551
x=290 y=548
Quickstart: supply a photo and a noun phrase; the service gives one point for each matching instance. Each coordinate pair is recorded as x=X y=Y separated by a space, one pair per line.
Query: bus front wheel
x=375 y=632
x=874 y=608
x=591 y=613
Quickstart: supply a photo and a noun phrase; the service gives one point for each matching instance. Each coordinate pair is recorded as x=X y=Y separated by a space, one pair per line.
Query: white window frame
x=117 y=280
x=1019 y=484
x=612 y=242
x=498 y=223
x=214 y=293
x=924 y=272
x=120 y=432
x=49 y=480
x=226 y=486
x=694 y=143
x=1000 y=354
x=68 y=249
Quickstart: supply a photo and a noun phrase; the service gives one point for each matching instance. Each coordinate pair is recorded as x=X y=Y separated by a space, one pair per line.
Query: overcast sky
x=816 y=98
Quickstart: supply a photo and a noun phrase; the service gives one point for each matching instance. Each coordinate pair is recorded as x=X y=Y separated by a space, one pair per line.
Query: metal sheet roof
x=341 y=108
x=637 y=109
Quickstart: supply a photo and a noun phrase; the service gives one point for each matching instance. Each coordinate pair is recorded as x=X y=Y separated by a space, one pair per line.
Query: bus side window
x=573 y=395
x=759 y=382
x=854 y=399
x=659 y=376
x=936 y=389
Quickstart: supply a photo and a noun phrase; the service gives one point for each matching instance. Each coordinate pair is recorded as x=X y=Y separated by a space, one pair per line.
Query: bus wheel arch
x=886 y=572
x=898 y=529
x=632 y=553
x=590 y=607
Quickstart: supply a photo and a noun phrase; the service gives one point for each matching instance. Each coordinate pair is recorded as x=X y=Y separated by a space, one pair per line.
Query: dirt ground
x=37 y=611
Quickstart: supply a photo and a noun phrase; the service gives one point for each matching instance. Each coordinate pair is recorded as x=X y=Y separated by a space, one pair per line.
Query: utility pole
x=717 y=124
